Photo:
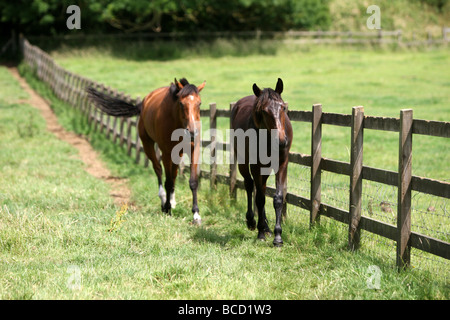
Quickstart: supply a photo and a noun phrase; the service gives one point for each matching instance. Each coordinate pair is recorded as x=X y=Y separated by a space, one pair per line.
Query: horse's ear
x=256 y=90
x=179 y=85
x=279 y=87
x=200 y=87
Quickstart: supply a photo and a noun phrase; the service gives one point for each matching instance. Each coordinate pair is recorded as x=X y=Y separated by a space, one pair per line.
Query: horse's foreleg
x=168 y=184
x=260 y=184
x=193 y=180
x=280 y=180
x=174 y=174
x=248 y=182
x=193 y=184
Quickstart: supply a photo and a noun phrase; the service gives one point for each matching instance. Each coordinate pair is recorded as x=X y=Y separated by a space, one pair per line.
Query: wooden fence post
x=233 y=163
x=316 y=156
x=113 y=93
x=404 y=189
x=121 y=135
x=101 y=123
x=122 y=122
x=114 y=130
x=138 y=143
x=97 y=111
x=86 y=104
x=129 y=136
x=356 y=164
x=284 y=208
x=212 y=130
x=399 y=36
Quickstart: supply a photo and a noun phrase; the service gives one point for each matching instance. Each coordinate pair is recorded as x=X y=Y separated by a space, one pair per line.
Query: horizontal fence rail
x=70 y=88
x=377 y=36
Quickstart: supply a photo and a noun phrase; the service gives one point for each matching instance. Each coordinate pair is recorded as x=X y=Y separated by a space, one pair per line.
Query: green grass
x=384 y=81
x=54 y=216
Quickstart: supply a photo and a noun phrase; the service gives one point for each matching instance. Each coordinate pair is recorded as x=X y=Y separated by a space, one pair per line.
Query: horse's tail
x=113 y=106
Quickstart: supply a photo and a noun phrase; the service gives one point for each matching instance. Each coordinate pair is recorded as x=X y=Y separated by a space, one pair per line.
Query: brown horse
x=263 y=110
x=162 y=112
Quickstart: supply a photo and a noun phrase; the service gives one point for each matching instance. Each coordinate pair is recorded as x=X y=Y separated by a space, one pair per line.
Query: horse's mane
x=187 y=89
x=266 y=95
x=261 y=101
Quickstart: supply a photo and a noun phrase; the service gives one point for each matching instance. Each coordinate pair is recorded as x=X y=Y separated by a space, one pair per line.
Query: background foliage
x=49 y=16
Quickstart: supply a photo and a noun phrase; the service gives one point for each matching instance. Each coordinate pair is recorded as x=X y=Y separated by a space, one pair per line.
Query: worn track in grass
x=94 y=166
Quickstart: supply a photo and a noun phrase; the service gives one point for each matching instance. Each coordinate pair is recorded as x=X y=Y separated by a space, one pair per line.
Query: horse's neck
x=174 y=111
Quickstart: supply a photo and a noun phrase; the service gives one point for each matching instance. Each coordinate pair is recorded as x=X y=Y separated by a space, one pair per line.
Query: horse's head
x=269 y=111
x=188 y=97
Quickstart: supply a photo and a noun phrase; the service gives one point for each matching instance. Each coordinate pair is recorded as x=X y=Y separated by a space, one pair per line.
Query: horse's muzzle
x=193 y=134
x=284 y=143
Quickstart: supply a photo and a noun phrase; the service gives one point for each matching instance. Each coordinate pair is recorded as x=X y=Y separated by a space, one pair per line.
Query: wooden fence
x=337 y=37
x=70 y=88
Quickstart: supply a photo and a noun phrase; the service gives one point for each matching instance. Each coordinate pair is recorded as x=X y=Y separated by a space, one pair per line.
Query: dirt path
x=119 y=189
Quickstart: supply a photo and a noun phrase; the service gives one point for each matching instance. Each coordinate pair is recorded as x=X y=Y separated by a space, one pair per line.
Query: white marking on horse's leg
x=162 y=195
x=197 y=218
x=173 y=203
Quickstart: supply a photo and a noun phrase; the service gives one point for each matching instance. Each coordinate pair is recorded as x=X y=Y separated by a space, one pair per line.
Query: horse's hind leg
x=248 y=182
x=149 y=149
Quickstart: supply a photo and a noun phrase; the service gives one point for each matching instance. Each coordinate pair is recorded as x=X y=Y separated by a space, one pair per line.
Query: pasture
x=384 y=81
x=55 y=217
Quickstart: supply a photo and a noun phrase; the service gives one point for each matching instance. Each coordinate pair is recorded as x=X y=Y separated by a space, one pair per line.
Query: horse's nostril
x=193 y=134
x=284 y=143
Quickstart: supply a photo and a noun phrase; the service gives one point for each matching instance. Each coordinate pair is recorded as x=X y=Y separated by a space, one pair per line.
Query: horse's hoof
x=197 y=219
x=167 y=211
x=251 y=225
x=261 y=236
x=278 y=243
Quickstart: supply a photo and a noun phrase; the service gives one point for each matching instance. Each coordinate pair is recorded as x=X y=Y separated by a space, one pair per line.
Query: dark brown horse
x=163 y=112
x=265 y=111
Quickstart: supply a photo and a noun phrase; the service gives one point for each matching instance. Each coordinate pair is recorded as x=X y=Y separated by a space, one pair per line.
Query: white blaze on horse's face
x=190 y=114
x=274 y=118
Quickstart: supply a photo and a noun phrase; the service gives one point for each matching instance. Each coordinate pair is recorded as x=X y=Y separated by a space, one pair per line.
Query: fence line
x=70 y=88
x=349 y=37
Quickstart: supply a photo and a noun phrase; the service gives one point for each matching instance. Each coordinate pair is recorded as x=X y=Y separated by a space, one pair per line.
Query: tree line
x=48 y=17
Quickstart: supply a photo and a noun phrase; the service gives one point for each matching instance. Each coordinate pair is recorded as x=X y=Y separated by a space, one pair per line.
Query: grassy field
x=55 y=217
x=383 y=81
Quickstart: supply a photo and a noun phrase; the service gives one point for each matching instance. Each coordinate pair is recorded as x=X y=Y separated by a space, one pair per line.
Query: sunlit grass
x=64 y=220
